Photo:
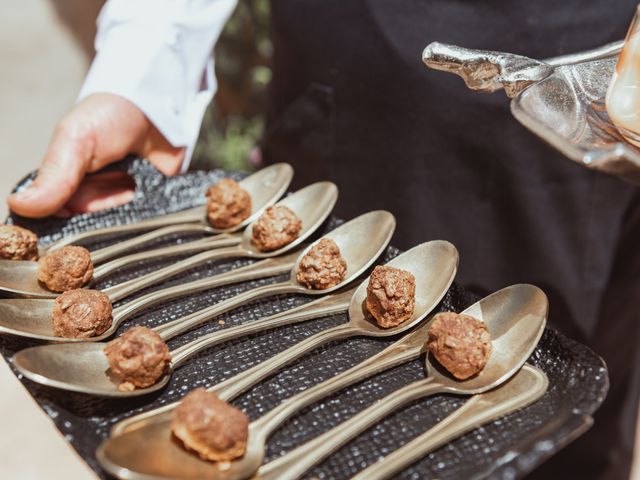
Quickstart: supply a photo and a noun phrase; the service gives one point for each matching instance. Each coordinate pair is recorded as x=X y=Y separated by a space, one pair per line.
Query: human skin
x=101 y=129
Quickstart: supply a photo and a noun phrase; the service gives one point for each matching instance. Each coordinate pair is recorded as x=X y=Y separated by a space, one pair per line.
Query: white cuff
x=157 y=55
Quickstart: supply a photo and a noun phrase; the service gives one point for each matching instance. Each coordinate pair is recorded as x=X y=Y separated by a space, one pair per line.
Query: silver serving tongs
x=560 y=99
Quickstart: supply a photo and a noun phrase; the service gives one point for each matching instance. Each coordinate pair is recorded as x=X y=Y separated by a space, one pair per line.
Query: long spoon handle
x=122 y=290
x=295 y=463
x=234 y=386
x=217 y=241
x=394 y=355
x=106 y=253
x=262 y=269
x=191 y=215
x=526 y=387
x=325 y=306
x=171 y=329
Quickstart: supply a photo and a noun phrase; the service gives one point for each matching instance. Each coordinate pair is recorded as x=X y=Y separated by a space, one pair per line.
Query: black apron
x=352 y=102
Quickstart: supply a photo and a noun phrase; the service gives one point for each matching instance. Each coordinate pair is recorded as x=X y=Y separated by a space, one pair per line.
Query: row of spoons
x=82 y=366
x=515 y=317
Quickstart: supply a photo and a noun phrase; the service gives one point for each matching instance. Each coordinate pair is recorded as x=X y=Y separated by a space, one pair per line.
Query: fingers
x=162 y=155
x=62 y=170
x=100 y=191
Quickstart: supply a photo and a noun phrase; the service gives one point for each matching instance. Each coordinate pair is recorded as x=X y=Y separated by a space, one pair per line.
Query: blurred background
x=46 y=47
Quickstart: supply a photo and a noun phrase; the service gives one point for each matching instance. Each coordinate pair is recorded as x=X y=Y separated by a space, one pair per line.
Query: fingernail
x=25 y=193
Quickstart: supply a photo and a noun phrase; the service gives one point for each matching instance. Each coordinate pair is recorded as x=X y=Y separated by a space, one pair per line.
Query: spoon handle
x=396 y=354
x=325 y=306
x=176 y=327
x=120 y=291
x=262 y=269
x=191 y=215
x=234 y=386
x=106 y=253
x=298 y=461
x=527 y=386
x=217 y=241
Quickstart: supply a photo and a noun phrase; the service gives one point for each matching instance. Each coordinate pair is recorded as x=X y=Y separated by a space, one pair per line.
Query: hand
x=101 y=129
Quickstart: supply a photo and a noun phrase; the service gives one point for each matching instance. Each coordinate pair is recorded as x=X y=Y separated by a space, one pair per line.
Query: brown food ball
x=66 y=269
x=17 y=243
x=277 y=227
x=138 y=358
x=81 y=313
x=214 y=429
x=460 y=343
x=322 y=266
x=228 y=205
x=391 y=295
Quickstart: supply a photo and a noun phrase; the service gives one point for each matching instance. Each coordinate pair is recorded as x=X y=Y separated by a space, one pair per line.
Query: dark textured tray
x=506 y=448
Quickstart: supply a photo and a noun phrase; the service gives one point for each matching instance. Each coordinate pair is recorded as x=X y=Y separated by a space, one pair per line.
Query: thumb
x=62 y=170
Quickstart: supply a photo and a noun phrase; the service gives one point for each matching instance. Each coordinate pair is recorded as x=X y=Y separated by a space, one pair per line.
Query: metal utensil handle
x=217 y=241
x=176 y=327
x=98 y=256
x=120 y=291
x=265 y=268
x=394 y=355
x=298 y=461
x=459 y=422
x=234 y=386
x=479 y=410
x=191 y=215
x=604 y=51
x=320 y=308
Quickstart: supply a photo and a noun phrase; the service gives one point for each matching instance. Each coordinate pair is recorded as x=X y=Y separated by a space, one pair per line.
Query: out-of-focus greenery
x=234 y=121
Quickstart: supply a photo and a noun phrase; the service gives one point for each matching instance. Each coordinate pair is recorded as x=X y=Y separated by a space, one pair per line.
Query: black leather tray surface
x=507 y=448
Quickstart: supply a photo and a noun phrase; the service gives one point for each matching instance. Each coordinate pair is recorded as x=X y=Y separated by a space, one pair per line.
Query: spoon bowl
x=515 y=317
x=81 y=367
x=266 y=186
x=310 y=204
x=433 y=264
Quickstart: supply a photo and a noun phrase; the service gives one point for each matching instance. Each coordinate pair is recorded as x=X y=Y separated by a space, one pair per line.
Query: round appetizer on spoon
x=312 y=205
x=231 y=207
x=83 y=367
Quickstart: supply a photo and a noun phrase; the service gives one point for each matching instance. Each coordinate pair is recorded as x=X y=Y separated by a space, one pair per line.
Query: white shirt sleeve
x=158 y=55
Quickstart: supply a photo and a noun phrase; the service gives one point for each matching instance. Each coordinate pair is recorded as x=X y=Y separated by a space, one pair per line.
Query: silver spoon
x=434 y=265
x=82 y=366
x=312 y=204
x=265 y=187
x=525 y=388
x=528 y=318
x=515 y=336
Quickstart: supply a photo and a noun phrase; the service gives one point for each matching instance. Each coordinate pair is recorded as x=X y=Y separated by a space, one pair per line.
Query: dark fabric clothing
x=352 y=102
